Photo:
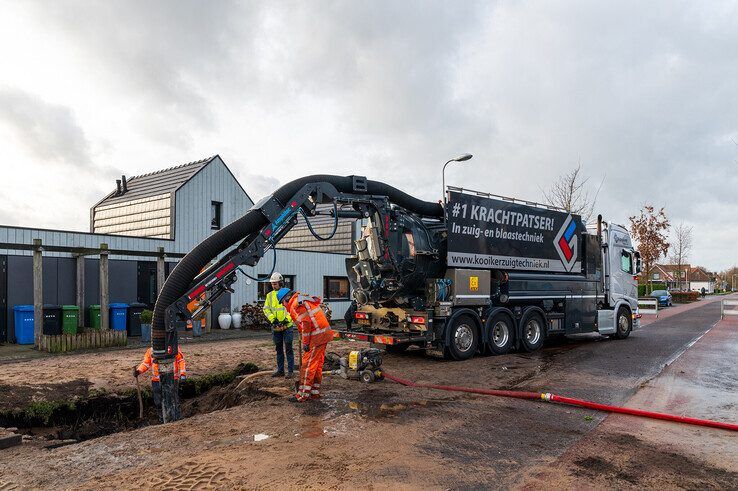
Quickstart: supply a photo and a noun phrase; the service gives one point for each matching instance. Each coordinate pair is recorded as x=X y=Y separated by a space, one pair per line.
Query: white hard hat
x=276 y=277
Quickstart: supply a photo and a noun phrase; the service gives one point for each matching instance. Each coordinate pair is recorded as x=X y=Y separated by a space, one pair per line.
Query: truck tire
x=501 y=334
x=623 y=324
x=463 y=339
x=533 y=331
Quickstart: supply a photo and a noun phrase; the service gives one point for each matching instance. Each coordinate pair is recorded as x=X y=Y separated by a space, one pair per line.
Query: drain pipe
x=548 y=397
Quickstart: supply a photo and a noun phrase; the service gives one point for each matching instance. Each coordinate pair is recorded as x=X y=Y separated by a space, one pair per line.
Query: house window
x=683 y=274
x=265 y=287
x=656 y=276
x=336 y=288
x=215 y=214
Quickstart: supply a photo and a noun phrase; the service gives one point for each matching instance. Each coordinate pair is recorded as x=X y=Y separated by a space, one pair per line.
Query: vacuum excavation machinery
x=480 y=274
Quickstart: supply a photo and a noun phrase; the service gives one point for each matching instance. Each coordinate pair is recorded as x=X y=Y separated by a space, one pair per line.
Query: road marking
x=689 y=345
x=674 y=357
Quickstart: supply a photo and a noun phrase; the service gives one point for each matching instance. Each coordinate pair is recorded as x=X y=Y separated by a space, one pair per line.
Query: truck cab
x=622 y=264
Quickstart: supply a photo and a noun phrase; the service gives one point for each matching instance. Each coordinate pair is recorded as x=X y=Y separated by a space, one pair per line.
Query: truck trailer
x=492 y=275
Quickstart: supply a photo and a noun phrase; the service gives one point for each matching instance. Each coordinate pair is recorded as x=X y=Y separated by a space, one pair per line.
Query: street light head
x=462 y=158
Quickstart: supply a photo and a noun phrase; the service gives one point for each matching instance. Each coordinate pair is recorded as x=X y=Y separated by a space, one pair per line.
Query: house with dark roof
x=164 y=214
x=700 y=278
x=684 y=277
x=146 y=205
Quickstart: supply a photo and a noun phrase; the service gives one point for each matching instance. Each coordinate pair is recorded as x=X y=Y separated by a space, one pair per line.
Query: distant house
x=667 y=274
x=701 y=278
x=690 y=277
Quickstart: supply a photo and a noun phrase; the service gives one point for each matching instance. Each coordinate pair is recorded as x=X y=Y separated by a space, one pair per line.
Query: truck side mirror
x=638 y=265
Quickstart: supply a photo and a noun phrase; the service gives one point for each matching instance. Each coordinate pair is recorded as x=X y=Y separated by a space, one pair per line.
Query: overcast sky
x=643 y=94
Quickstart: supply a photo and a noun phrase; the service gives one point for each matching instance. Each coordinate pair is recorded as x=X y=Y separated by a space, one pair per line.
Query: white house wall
x=309 y=269
x=192 y=204
x=698 y=285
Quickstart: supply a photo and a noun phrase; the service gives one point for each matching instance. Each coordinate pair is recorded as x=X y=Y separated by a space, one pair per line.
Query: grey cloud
x=643 y=93
x=48 y=131
x=256 y=185
x=166 y=57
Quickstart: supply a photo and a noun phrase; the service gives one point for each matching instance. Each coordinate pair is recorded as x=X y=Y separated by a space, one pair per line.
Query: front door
x=146 y=290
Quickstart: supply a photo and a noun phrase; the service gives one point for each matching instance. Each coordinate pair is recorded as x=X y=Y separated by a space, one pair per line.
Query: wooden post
x=81 y=290
x=104 y=292
x=38 y=292
x=160 y=269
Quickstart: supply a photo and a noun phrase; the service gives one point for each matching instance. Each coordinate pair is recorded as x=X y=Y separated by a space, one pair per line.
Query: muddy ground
x=388 y=436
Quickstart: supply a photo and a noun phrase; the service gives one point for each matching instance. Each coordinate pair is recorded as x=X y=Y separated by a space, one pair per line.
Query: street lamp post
x=460 y=158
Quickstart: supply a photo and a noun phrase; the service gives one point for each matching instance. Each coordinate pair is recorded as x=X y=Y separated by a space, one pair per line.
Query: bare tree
x=681 y=248
x=571 y=192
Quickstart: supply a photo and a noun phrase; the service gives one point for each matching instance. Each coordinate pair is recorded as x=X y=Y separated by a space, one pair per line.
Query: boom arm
x=281 y=217
x=258 y=231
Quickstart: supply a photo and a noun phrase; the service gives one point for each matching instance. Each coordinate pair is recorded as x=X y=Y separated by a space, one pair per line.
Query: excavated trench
x=100 y=413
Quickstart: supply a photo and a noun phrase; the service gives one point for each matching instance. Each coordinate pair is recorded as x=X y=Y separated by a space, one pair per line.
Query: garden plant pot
x=145 y=333
x=224 y=321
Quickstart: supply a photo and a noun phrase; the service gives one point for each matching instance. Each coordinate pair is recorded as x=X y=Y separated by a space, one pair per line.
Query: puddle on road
x=337 y=417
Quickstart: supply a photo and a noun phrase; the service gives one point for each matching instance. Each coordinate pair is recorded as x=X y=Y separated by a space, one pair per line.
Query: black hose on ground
x=190 y=266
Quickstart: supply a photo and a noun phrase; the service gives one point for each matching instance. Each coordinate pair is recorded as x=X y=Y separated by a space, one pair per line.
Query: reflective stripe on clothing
x=311 y=373
x=149 y=363
x=274 y=310
x=310 y=319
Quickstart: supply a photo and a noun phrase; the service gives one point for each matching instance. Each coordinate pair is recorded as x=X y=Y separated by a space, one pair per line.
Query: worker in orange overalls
x=148 y=362
x=316 y=334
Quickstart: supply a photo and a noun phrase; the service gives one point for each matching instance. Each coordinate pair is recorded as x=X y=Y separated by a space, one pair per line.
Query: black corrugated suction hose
x=190 y=266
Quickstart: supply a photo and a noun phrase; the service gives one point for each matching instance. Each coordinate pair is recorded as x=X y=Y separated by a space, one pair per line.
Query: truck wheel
x=463 y=339
x=623 y=324
x=501 y=334
x=533 y=332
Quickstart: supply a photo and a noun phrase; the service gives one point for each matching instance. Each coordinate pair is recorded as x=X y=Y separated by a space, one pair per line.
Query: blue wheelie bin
x=23 y=324
x=118 y=316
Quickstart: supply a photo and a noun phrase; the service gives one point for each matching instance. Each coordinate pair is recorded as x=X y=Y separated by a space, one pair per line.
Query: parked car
x=663 y=296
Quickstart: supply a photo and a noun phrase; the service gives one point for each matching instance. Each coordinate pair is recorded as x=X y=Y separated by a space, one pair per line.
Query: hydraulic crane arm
x=219 y=278
x=278 y=216
x=256 y=232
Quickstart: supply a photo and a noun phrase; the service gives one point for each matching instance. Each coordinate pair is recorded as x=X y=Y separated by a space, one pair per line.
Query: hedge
x=684 y=297
x=654 y=286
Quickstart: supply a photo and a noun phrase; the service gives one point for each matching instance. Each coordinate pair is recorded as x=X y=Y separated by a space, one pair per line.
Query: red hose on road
x=570 y=401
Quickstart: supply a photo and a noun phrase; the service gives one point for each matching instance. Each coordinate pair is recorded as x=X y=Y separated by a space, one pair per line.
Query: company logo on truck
x=566 y=243
x=492 y=233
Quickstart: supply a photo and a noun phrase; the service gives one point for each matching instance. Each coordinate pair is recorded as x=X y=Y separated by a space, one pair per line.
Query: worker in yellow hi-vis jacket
x=282 y=327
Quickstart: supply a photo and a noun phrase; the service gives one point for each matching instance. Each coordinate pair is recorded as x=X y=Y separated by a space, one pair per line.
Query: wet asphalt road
x=510 y=435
